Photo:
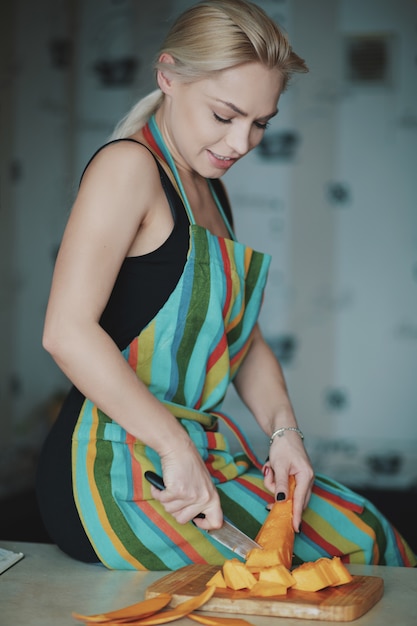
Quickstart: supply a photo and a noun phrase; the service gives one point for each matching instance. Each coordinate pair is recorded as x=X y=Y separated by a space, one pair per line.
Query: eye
x=222 y=120
x=262 y=126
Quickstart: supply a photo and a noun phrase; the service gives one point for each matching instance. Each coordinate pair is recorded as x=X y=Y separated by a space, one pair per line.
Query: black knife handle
x=157 y=481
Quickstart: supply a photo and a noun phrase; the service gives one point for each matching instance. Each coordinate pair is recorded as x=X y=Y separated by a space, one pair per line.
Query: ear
x=164 y=77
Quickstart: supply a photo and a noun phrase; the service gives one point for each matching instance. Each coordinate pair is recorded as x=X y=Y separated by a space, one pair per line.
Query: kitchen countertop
x=46 y=586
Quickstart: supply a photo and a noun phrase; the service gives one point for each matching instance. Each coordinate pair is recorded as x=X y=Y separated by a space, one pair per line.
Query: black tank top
x=145 y=282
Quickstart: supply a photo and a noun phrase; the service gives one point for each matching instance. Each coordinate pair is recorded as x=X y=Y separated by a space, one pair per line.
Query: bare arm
x=113 y=216
x=260 y=383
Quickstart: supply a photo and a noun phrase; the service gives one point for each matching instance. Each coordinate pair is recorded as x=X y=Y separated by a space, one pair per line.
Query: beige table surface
x=44 y=587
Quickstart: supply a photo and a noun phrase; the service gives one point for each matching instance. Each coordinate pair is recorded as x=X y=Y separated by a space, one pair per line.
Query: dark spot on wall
x=336 y=399
x=284 y=348
x=15 y=385
x=338 y=194
x=116 y=72
x=16 y=171
x=388 y=463
x=60 y=51
x=280 y=145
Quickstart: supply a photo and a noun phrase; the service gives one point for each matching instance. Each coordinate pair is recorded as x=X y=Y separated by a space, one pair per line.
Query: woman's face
x=211 y=123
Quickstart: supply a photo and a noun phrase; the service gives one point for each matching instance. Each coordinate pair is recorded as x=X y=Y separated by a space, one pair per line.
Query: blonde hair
x=212 y=36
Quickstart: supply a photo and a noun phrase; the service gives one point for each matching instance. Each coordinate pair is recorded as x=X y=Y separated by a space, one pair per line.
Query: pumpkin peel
x=181 y=610
x=128 y=613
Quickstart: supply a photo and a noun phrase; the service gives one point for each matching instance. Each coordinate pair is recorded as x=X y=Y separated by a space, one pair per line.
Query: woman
x=153 y=312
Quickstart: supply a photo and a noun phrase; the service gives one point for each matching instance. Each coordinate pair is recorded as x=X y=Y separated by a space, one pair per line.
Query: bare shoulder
x=123 y=165
x=121 y=202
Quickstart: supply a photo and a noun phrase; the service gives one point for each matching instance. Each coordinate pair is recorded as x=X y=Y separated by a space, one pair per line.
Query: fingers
x=184 y=508
x=281 y=486
x=302 y=494
x=297 y=508
x=212 y=519
x=277 y=483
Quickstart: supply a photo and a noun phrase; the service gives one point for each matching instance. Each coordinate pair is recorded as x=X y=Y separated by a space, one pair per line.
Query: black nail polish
x=281 y=496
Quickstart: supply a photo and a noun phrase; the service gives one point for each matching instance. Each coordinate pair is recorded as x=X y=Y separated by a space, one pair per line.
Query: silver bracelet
x=280 y=432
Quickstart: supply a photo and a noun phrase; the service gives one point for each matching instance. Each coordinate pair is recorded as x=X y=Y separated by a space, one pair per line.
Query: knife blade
x=228 y=535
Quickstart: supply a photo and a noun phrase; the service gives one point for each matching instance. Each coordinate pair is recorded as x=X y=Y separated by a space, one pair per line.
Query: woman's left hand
x=287 y=456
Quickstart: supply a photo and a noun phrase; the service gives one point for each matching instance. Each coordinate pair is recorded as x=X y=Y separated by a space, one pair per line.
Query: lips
x=220 y=161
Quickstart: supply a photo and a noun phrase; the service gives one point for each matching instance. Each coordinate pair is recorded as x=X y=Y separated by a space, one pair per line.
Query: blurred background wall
x=331 y=193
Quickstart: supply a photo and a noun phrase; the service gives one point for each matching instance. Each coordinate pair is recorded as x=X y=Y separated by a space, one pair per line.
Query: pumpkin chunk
x=259 y=558
x=217 y=580
x=277 y=531
x=265 y=589
x=343 y=574
x=309 y=577
x=325 y=565
x=278 y=574
x=319 y=574
x=237 y=576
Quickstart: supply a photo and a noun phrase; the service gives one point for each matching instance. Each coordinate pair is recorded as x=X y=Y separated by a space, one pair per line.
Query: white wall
x=343 y=281
x=348 y=280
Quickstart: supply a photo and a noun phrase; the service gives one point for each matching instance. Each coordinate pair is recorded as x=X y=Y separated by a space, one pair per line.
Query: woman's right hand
x=189 y=489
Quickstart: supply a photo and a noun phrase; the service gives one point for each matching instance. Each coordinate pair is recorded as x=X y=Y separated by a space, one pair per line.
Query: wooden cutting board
x=340 y=604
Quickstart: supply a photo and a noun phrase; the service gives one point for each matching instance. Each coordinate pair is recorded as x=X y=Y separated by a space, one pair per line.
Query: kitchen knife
x=228 y=535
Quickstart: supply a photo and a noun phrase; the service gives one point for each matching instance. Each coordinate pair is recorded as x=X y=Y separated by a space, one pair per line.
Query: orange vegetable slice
x=328 y=571
x=217 y=580
x=277 y=531
x=310 y=576
x=264 y=589
x=237 y=576
x=181 y=610
x=129 y=613
x=259 y=558
x=278 y=574
x=218 y=621
x=343 y=574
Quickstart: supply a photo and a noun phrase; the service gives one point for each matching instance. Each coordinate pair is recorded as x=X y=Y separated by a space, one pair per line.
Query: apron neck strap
x=154 y=137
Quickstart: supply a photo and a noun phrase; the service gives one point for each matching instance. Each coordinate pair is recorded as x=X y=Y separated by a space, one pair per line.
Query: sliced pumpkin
x=327 y=569
x=265 y=589
x=278 y=574
x=324 y=572
x=237 y=576
x=311 y=576
x=217 y=580
x=343 y=574
x=259 y=558
x=277 y=531
x=181 y=610
x=134 y=611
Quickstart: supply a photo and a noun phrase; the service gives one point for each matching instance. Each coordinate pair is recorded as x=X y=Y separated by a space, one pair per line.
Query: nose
x=238 y=139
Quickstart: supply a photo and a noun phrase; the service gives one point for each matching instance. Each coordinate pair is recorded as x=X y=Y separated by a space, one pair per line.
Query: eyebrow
x=244 y=114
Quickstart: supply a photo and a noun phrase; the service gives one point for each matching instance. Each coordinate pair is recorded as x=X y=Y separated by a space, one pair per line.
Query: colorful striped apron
x=187 y=356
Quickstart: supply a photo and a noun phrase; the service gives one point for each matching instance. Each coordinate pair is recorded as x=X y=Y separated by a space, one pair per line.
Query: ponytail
x=138 y=115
